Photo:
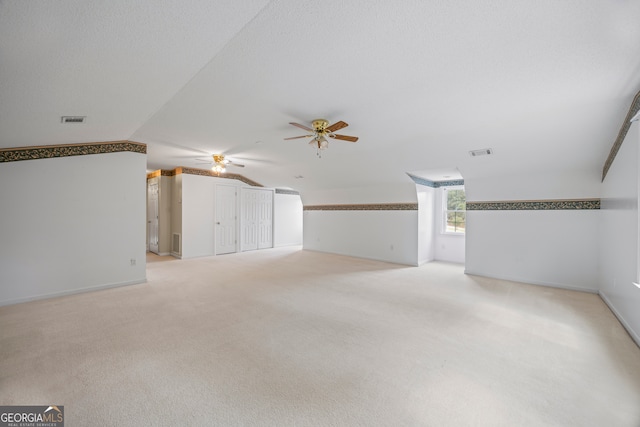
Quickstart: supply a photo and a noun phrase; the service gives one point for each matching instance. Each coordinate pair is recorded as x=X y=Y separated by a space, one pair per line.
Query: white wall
x=551 y=247
x=619 y=235
x=71 y=224
x=565 y=184
x=164 y=212
x=381 y=235
x=426 y=223
x=176 y=212
x=287 y=220
x=375 y=234
x=389 y=193
x=198 y=216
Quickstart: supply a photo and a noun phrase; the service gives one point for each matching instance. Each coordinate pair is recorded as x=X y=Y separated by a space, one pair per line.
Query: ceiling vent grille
x=483 y=152
x=73 y=119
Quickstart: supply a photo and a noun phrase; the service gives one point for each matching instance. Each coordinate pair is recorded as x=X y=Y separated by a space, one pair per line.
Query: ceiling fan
x=220 y=163
x=320 y=130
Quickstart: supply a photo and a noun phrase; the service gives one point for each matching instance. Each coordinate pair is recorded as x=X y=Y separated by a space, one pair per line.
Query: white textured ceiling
x=545 y=84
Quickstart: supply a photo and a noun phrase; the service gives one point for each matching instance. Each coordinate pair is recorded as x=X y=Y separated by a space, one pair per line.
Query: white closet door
x=152 y=215
x=265 y=219
x=226 y=219
x=249 y=219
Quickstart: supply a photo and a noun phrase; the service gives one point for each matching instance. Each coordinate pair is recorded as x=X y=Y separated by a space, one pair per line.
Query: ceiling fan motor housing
x=319 y=125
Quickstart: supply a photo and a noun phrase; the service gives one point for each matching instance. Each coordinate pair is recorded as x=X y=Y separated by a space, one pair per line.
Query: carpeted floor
x=286 y=337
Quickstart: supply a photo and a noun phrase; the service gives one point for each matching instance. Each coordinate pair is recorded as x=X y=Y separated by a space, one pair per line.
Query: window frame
x=445 y=211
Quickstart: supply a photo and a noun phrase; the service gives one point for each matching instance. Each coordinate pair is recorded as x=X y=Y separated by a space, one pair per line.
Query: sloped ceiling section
x=544 y=84
x=116 y=62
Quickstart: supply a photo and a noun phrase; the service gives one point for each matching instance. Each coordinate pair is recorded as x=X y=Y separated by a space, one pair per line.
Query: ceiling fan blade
x=344 y=137
x=204 y=161
x=337 y=126
x=297 y=137
x=301 y=126
x=235 y=164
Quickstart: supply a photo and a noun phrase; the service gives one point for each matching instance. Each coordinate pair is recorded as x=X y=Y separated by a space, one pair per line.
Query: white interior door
x=249 y=219
x=226 y=219
x=265 y=219
x=152 y=215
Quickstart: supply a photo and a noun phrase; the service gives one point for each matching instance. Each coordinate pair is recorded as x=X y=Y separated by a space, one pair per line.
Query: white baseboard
x=426 y=261
x=621 y=318
x=71 y=292
x=532 y=282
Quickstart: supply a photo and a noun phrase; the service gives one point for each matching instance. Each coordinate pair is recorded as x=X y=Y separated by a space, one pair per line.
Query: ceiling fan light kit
x=219 y=163
x=219 y=168
x=320 y=130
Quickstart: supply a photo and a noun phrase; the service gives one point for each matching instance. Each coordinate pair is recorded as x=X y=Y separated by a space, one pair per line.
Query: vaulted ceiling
x=545 y=84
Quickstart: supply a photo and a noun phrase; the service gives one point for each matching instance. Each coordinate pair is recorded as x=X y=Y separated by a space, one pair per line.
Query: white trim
x=452 y=233
x=71 y=292
x=620 y=318
x=533 y=282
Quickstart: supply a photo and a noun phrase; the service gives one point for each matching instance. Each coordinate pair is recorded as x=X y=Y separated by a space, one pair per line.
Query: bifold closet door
x=265 y=219
x=249 y=219
x=256 y=220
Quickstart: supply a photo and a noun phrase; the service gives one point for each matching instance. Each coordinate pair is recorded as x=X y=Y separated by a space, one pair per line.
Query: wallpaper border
x=624 y=129
x=161 y=172
x=208 y=172
x=68 y=150
x=535 y=205
x=365 y=207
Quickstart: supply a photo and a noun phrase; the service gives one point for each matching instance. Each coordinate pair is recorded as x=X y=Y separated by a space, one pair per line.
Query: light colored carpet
x=286 y=337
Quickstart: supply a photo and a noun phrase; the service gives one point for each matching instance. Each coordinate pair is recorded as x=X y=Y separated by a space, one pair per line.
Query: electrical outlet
x=133 y=262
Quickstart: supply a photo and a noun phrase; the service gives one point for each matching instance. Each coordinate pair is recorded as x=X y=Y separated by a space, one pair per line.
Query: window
x=455 y=203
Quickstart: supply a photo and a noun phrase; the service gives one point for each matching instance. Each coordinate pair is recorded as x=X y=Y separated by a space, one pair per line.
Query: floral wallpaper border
x=624 y=129
x=365 y=207
x=208 y=172
x=68 y=150
x=161 y=172
x=535 y=205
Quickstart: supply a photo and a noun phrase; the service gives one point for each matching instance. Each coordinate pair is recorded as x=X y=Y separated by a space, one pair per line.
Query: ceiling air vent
x=73 y=119
x=483 y=152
